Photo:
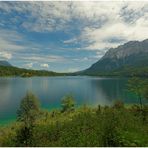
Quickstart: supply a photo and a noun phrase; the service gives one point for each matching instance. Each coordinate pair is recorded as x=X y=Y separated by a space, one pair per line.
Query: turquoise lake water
x=86 y=90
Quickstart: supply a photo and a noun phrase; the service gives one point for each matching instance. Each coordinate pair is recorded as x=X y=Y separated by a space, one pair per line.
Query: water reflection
x=50 y=90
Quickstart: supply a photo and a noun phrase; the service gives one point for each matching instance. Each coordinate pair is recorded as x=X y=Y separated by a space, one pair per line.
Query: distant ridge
x=6 y=69
x=5 y=63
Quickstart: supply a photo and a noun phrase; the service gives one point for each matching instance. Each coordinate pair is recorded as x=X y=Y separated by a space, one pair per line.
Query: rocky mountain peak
x=129 y=48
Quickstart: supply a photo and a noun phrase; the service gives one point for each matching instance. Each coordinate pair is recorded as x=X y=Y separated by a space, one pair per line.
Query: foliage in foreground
x=27 y=115
x=102 y=126
x=139 y=87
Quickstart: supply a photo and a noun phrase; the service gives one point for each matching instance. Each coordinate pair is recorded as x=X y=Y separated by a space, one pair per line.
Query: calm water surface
x=86 y=90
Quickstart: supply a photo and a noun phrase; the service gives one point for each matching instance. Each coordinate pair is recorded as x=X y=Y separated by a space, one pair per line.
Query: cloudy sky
x=67 y=36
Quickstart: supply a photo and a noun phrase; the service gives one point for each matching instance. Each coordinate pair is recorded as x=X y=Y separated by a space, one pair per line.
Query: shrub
x=68 y=103
x=118 y=104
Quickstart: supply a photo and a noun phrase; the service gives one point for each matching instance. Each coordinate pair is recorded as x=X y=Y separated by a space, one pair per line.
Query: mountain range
x=128 y=59
x=131 y=55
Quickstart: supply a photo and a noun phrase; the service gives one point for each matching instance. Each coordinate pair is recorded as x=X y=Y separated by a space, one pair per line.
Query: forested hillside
x=14 y=71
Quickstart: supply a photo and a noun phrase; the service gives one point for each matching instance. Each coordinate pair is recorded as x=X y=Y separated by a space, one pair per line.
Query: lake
x=86 y=90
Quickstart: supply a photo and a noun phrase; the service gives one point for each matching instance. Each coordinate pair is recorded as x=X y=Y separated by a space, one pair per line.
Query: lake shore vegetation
x=21 y=72
x=12 y=71
x=106 y=126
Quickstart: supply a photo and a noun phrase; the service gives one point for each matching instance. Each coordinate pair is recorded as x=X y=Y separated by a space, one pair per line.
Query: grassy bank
x=84 y=126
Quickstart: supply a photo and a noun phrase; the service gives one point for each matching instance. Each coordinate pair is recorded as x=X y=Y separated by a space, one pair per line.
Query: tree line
x=15 y=71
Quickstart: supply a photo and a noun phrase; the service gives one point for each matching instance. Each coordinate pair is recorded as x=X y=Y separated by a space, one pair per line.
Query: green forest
x=15 y=71
x=115 y=125
x=126 y=71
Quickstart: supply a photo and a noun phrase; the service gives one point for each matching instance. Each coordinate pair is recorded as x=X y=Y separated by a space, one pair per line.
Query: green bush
x=118 y=104
x=84 y=126
x=68 y=103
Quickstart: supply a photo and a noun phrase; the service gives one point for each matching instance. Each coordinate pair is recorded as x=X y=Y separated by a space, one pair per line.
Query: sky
x=67 y=36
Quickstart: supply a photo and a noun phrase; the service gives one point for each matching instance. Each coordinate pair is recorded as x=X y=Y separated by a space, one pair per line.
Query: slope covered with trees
x=15 y=71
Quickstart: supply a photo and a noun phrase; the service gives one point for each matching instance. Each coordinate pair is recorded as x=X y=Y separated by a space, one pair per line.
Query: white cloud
x=100 y=38
x=100 y=23
x=104 y=18
x=116 y=27
x=35 y=60
x=28 y=65
x=44 y=65
x=40 y=58
x=8 y=45
x=5 y=55
x=8 y=41
x=50 y=16
x=74 y=40
x=72 y=70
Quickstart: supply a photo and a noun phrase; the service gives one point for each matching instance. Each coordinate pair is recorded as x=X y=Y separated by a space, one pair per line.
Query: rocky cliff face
x=128 y=49
x=133 y=53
